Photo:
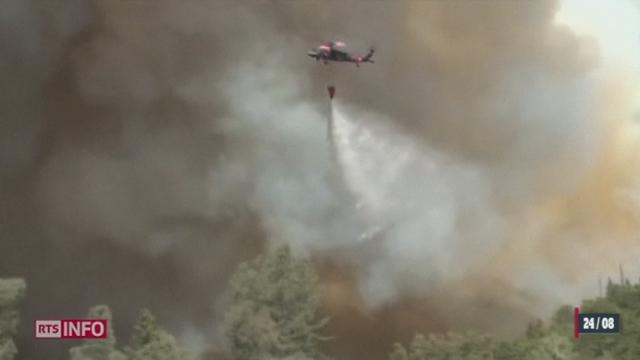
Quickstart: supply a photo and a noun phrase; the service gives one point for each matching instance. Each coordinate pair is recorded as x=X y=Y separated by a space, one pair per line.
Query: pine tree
x=11 y=294
x=445 y=347
x=150 y=342
x=274 y=314
x=98 y=349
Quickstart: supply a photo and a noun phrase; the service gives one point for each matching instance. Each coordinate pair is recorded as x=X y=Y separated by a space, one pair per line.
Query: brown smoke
x=150 y=146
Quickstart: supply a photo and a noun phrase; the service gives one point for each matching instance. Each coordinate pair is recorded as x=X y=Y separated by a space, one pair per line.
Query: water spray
x=332 y=92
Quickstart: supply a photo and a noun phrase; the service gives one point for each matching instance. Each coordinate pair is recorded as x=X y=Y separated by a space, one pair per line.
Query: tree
x=11 y=294
x=98 y=349
x=553 y=342
x=274 y=311
x=511 y=350
x=623 y=299
x=445 y=347
x=150 y=342
x=551 y=346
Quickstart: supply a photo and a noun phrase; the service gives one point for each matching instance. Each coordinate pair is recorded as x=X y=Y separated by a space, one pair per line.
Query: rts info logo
x=71 y=329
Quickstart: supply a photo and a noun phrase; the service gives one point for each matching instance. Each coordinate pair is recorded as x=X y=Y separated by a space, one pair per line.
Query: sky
x=615 y=25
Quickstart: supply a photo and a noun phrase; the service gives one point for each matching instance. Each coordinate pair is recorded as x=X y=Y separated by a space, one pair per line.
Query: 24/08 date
x=599 y=323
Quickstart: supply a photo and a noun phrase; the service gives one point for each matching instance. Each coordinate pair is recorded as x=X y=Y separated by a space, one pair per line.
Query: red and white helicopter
x=333 y=51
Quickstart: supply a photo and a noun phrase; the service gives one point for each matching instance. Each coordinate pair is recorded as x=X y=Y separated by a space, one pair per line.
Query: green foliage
x=150 y=342
x=274 y=313
x=562 y=320
x=624 y=299
x=550 y=346
x=553 y=342
x=446 y=347
x=11 y=294
x=511 y=350
x=98 y=349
